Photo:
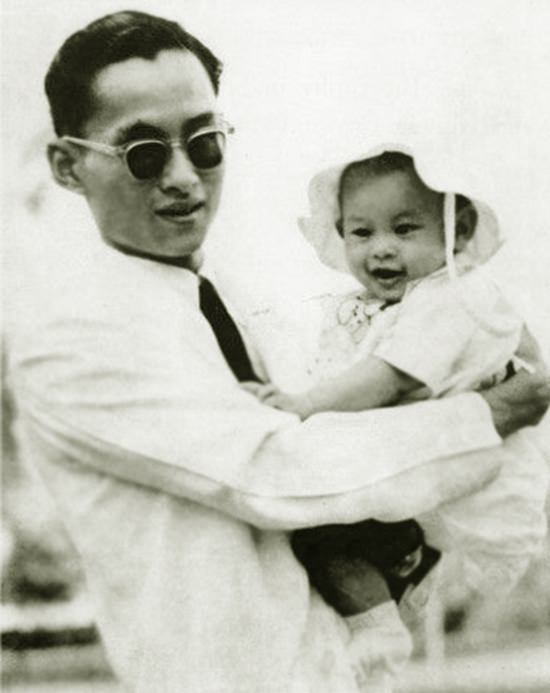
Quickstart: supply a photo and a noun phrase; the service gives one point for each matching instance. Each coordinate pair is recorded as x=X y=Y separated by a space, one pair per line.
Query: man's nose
x=179 y=173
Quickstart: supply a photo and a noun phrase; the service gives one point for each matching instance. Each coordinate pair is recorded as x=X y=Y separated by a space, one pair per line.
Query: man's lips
x=179 y=210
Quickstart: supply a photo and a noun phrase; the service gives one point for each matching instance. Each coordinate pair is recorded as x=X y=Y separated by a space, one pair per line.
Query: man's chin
x=190 y=258
x=194 y=260
x=193 y=257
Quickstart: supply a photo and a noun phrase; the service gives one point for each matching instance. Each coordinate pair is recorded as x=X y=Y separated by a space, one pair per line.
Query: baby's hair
x=358 y=172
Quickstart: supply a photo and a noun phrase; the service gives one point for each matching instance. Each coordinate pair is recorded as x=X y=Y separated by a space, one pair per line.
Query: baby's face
x=393 y=232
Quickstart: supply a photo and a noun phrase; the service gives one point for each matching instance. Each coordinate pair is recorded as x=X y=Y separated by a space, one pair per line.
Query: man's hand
x=524 y=398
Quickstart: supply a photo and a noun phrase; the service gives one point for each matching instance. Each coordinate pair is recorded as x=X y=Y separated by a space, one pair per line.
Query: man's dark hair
x=111 y=39
x=388 y=162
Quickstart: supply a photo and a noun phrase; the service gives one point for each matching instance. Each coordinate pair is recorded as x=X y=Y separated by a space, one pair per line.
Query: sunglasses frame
x=220 y=126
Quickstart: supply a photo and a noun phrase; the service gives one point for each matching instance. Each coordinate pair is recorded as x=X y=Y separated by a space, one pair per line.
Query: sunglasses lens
x=206 y=151
x=147 y=159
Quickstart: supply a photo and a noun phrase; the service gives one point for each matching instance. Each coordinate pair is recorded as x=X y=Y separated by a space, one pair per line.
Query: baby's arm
x=368 y=384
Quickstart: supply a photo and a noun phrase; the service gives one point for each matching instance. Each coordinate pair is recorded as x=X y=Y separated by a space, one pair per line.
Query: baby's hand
x=259 y=390
x=297 y=404
x=271 y=395
x=265 y=392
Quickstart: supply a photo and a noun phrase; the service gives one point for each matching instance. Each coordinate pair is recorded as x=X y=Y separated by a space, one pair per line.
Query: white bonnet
x=320 y=231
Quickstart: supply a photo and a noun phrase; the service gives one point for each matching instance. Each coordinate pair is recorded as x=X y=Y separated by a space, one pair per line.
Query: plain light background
x=313 y=82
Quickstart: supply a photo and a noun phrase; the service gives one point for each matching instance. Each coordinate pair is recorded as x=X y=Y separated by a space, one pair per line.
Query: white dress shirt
x=177 y=486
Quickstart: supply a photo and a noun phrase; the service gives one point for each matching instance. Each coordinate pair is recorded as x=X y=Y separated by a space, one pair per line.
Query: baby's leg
x=341 y=560
x=361 y=570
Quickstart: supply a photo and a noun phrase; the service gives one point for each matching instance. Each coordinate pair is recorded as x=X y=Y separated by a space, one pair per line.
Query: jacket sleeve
x=173 y=418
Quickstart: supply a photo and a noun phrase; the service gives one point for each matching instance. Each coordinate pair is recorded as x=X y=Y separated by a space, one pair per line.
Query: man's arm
x=182 y=425
x=291 y=481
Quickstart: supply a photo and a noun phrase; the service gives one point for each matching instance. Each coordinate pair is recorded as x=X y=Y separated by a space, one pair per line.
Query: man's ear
x=63 y=159
x=465 y=225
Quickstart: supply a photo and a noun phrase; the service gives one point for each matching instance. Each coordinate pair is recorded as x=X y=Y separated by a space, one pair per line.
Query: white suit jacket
x=178 y=488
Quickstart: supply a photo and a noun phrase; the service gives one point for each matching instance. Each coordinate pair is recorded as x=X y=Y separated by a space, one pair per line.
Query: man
x=177 y=486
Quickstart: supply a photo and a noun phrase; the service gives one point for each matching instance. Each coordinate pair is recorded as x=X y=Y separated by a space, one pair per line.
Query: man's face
x=393 y=232
x=164 y=98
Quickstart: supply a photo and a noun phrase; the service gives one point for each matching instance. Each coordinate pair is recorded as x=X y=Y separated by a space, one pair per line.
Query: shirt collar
x=167 y=270
x=181 y=262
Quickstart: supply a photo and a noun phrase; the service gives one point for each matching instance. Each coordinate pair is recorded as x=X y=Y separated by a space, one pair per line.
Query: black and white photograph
x=275 y=346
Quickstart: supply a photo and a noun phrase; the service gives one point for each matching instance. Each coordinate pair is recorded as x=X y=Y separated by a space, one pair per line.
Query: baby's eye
x=361 y=233
x=405 y=229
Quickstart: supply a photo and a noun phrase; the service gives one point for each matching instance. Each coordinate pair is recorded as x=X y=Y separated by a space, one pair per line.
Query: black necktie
x=228 y=336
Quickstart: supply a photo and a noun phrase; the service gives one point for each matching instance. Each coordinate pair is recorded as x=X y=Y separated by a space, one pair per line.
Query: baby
x=428 y=323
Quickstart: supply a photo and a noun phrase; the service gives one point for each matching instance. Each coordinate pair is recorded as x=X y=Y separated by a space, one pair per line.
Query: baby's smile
x=385 y=273
x=387 y=276
x=386 y=283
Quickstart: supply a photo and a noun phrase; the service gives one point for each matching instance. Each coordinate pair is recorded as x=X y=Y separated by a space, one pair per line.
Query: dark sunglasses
x=146 y=159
